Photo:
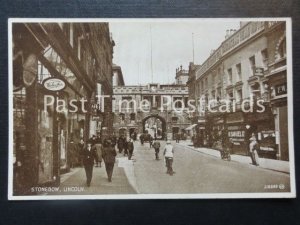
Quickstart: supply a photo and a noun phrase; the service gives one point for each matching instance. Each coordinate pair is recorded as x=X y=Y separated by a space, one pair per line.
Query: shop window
x=239 y=72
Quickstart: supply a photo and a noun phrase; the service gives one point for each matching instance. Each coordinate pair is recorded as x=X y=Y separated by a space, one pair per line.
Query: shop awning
x=191 y=127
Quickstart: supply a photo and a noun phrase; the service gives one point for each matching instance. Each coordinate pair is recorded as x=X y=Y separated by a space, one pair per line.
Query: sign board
x=96 y=118
x=259 y=71
x=54 y=84
x=280 y=89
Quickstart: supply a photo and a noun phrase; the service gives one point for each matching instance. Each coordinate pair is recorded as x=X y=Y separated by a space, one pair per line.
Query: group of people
x=95 y=151
x=168 y=154
x=168 y=151
x=125 y=145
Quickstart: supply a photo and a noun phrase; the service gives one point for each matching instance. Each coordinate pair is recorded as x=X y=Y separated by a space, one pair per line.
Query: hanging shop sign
x=281 y=89
x=54 y=84
x=259 y=71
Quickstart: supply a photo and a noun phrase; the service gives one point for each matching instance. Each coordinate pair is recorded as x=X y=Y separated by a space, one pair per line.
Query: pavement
x=271 y=164
x=74 y=182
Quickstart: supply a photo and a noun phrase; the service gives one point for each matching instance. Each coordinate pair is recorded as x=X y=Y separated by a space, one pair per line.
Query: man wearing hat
x=169 y=155
x=253 y=147
x=89 y=155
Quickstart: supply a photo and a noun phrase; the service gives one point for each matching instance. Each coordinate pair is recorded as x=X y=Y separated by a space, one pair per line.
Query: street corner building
x=250 y=62
x=220 y=106
x=76 y=57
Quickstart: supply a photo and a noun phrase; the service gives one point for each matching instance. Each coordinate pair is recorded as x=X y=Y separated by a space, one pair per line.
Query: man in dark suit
x=130 y=147
x=89 y=155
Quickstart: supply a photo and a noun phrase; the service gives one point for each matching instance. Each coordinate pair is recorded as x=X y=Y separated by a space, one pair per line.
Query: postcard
x=150 y=108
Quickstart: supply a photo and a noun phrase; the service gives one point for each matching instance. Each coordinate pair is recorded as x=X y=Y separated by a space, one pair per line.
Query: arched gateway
x=154 y=125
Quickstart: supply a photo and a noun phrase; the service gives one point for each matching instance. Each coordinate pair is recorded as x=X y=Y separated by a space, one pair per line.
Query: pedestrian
x=150 y=140
x=121 y=144
x=125 y=147
x=80 y=148
x=109 y=156
x=142 y=139
x=114 y=140
x=93 y=140
x=134 y=135
x=156 y=146
x=72 y=157
x=130 y=147
x=177 y=136
x=253 y=148
x=169 y=155
x=98 y=148
x=89 y=155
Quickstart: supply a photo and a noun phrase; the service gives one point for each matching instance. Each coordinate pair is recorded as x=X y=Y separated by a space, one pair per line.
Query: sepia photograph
x=150 y=109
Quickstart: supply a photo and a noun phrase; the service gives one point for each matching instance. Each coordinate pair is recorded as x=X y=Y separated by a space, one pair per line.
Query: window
x=282 y=49
x=72 y=35
x=219 y=94
x=213 y=94
x=132 y=116
x=230 y=95
x=178 y=104
x=174 y=119
x=125 y=104
x=206 y=83
x=213 y=79
x=239 y=72
x=265 y=56
x=252 y=64
x=122 y=117
x=239 y=95
x=229 y=71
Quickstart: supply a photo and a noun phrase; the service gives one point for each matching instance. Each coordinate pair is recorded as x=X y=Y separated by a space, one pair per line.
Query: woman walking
x=109 y=156
x=98 y=147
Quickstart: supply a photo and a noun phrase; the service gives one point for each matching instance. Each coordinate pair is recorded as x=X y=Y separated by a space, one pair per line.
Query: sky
x=172 y=46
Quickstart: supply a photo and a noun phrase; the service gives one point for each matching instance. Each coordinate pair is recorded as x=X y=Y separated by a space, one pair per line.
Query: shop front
x=237 y=133
x=214 y=128
x=263 y=127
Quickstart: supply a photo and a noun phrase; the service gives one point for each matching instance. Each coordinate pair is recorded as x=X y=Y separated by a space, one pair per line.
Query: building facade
x=79 y=55
x=248 y=66
x=143 y=109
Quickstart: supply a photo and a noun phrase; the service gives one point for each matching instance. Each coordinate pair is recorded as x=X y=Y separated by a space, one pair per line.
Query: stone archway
x=157 y=125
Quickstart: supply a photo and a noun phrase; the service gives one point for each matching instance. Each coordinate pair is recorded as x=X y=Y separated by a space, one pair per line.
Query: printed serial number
x=274 y=186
